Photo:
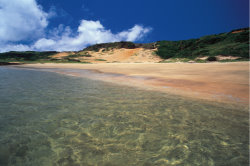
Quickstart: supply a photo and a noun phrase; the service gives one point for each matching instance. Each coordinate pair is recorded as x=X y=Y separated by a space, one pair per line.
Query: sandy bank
x=227 y=82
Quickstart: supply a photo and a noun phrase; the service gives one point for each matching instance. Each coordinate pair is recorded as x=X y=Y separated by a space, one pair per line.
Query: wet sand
x=223 y=82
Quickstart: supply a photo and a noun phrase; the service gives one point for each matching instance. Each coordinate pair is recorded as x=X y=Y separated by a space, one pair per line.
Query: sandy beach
x=223 y=82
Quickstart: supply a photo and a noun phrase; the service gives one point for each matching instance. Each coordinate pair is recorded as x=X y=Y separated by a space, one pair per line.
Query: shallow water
x=52 y=119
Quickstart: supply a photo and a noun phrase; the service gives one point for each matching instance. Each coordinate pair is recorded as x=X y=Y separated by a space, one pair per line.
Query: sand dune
x=121 y=55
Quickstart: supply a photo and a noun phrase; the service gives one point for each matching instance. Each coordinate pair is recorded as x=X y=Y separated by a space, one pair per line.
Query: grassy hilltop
x=234 y=44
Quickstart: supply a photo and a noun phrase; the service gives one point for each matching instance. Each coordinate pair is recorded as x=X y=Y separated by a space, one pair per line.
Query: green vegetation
x=227 y=44
x=34 y=57
x=26 y=56
x=118 y=45
x=38 y=57
x=100 y=59
x=173 y=60
x=109 y=46
x=107 y=49
x=8 y=63
x=79 y=55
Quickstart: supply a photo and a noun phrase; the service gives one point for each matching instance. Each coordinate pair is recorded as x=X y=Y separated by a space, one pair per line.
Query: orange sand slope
x=115 y=55
x=227 y=82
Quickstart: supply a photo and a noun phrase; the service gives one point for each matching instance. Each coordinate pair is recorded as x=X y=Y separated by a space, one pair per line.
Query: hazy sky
x=74 y=24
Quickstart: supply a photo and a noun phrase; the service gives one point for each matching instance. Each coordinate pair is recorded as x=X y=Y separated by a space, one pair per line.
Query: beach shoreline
x=221 y=82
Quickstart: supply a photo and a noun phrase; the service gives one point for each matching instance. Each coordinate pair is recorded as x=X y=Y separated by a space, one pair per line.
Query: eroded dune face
x=122 y=55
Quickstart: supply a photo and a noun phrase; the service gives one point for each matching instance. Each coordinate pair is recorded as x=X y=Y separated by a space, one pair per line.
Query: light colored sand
x=238 y=31
x=61 y=55
x=123 y=55
x=227 y=82
x=114 y=55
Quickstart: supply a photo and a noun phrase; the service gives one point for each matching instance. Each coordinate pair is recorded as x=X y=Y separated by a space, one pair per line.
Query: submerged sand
x=224 y=82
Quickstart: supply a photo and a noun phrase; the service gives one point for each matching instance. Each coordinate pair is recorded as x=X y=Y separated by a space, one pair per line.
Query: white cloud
x=89 y=32
x=24 y=20
x=21 y=20
x=14 y=47
x=134 y=33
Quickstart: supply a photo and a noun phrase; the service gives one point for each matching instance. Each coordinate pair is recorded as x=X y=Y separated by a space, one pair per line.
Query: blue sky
x=72 y=25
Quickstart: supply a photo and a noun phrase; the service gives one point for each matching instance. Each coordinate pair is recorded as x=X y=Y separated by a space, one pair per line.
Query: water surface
x=52 y=119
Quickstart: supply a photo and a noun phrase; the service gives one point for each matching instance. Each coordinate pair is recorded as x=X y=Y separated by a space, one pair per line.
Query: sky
x=71 y=25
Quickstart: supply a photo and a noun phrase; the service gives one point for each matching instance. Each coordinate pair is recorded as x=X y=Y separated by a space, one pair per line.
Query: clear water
x=52 y=119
